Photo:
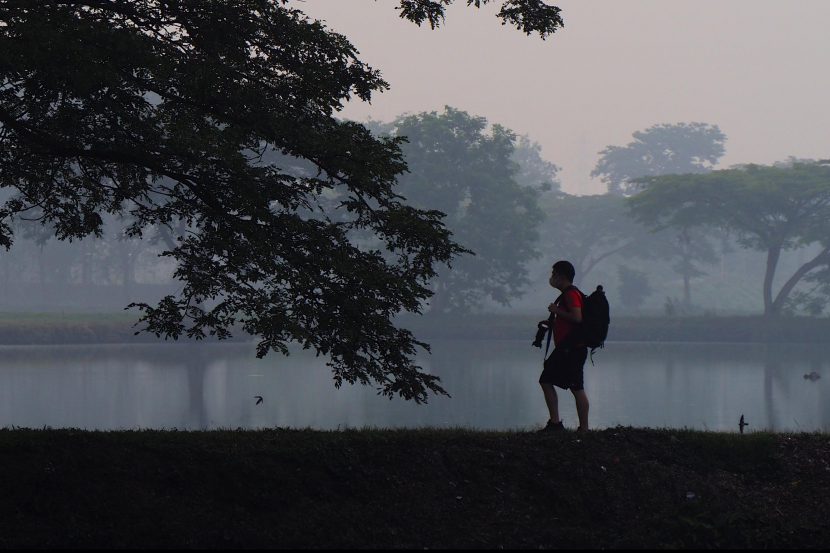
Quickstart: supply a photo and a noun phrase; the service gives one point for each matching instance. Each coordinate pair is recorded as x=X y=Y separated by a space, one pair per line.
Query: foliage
x=113 y=257
x=526 y=15
x=770 y=209
x=534 y=170
x=688 y=248
x=814 y=300
x=163 y=111
x=458 y=168
x=660 y=150
x=634 y=286
x=586 y=230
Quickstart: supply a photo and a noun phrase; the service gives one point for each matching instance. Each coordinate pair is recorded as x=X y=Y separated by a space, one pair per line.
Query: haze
x=703 y=332
x=753 y=67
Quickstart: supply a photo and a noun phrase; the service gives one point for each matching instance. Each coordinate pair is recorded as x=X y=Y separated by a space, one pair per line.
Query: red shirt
x=561 y=327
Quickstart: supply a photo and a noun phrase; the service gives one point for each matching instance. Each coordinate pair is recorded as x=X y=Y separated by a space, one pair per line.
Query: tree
x=163 y=110
x=526 y=15
x=115 y=257
x=80 y=138
x=770 y=209
x=814 y=296
x=458 y=168
x=660 y=150
x=589 y=229
x=534 y=170
x=585 y=230
x=634 y=286
x=691 y=248
x=816 y=299
x=687 y=248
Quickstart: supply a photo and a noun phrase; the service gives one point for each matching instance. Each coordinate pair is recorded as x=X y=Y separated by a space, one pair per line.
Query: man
x=564 y=367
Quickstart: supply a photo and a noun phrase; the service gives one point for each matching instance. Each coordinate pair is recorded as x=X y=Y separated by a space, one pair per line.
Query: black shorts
x=564 y=368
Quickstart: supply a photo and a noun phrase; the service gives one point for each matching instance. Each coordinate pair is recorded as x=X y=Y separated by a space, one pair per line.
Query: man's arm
x=573 y=316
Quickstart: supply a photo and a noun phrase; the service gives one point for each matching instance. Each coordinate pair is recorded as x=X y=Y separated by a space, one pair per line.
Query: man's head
x=562 y=275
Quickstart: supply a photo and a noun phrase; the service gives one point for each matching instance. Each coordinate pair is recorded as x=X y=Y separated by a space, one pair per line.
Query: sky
x=756 y=68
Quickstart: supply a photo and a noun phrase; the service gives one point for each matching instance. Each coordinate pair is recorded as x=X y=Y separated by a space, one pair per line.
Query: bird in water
x=741 y=424
x=813 y=376
x=258 y=400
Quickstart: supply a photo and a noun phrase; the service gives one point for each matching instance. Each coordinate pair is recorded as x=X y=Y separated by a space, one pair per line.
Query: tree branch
x=821 y=259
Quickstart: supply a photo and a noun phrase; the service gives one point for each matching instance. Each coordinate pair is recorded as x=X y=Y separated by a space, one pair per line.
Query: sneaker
x=553 y=426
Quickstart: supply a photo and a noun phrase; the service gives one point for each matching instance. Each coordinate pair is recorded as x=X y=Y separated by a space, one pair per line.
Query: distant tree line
x=210 y=130
x=770 y=209
x=114 y=259
x=665 y=202
x=503 y=202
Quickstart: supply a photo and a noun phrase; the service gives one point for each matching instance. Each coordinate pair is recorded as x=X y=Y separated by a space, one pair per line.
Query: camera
x=541 y=329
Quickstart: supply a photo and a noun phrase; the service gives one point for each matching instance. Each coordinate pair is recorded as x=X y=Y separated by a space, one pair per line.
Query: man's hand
x=555 y=309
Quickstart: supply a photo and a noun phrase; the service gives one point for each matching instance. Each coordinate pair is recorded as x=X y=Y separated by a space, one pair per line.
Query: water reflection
x=493 y=385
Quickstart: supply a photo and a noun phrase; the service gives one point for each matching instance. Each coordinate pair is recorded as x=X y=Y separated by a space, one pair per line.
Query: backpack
x=595 y=319
x=593 y=329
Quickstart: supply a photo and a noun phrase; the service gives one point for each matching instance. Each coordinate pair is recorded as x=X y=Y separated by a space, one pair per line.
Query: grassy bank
x=620 y=488
x=31 y=328
x=90 y=328
x=633 y=329
x=24 y=328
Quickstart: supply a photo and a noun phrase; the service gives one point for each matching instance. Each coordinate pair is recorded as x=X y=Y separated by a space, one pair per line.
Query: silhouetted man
x=564 y=367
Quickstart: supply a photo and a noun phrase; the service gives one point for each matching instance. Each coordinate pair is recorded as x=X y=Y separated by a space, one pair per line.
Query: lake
x=493 y=386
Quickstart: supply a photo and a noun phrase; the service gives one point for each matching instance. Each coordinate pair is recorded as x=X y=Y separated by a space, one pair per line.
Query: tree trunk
x=41 y=271
x=773 y=254
x=579 y=275
x=684 y=243
x=5 y=283
x=168 y=240
x=127 y=263
x=438 y=301
x=687 y=290
x=591 y=263
x=821 y=259
x=85 y=274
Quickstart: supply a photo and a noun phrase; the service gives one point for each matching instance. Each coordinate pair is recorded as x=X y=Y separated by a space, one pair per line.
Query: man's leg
x=552 y=401
x=581 y=407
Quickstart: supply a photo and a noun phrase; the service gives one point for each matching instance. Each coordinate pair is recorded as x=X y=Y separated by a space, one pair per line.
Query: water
x=493 y=386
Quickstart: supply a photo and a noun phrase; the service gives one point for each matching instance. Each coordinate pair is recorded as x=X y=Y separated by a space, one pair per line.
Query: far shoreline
x=29 y=328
